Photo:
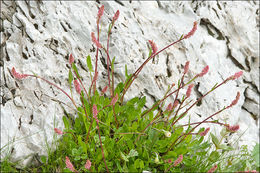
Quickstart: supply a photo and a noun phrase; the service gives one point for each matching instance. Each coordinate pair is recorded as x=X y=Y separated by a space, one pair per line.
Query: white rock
x=227 y=40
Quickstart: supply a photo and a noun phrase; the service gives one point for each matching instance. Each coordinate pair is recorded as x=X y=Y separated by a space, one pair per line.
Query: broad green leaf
x=214 y=155
x=89 y=64
x=255 y=154
x=66 y=122
x=215 y=140
x=124 y=157
x=188 y=138
x=70 y=77
x=44 y=159
x=133 y=153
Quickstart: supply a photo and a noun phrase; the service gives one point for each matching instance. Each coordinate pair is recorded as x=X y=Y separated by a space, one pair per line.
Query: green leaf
x=126 y=74
x=215 y=140
x=181 y=37
x=255 y=154
x=75 y=69
x=214 y=155
x=112 y=63
x=66 y=122
x=89 y=64
x=44 y=159
x=70 y=77
x=124 y=157
x=188 y=138
x=133 y=153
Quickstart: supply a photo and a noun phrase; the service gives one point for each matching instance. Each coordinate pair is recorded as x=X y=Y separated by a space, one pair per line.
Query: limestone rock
x=38 y=36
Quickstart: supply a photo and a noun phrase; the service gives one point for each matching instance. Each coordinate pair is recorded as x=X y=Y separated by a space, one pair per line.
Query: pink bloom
x=204 y=71
x=94 y=110
x=189 y=90
x=175 y=104
x=77 y=86
x=94 y=40
x=104 y=89
x=116 y=16
x=236 y=75
x=88 y=165
x=114 y=100
x=154 y=47
x=100 y=13
x=213 y=169
x=169 y=161
x=179 y=160
x=192 y=31
x=204 y=133
x=58 y=131
x=186 y=67
x=232 y=128
x=18 y=75
x=169 y=107
x=71 y=59
x=234 y=102
x=70 y=165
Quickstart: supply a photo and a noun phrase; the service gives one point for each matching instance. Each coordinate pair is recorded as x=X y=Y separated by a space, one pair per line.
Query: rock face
x=38 y=36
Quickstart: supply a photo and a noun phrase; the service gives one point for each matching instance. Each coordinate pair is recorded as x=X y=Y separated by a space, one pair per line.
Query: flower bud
x=167 y=133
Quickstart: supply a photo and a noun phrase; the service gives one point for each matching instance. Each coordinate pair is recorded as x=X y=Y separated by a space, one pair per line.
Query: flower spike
x=193 y=30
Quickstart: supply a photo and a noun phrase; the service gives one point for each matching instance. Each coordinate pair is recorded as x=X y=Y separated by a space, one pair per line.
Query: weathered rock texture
x=37 y=37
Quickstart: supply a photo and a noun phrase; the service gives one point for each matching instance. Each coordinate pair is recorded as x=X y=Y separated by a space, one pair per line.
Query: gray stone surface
x=38 y=36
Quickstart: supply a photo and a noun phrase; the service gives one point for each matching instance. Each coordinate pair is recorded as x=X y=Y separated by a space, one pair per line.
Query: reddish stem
x=102 y=147
x=134 y=76
x=56 y=87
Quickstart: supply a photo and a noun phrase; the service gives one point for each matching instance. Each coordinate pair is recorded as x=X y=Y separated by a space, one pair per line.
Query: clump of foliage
x=110 y=134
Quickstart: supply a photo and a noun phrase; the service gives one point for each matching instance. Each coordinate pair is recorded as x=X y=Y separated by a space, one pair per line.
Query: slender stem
x=102 y=147
x=214 y=122
x=94 y=86
x=143 y=114
x=82 y=101
x=108 y=61
x=56 y=87
x=81 y=83
x=115 y=116
x=199 y=100
x=89 y=130
x=134 y=76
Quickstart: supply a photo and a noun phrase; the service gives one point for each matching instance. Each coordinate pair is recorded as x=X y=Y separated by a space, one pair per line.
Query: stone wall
x=38 y=36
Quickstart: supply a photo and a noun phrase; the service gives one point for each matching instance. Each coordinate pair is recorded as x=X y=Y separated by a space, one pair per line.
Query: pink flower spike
x=204 y=71
x=71 y=59
x=18 y=75
x=94 y=40
x=234 y=102
x=77 y=86
x=233 y=128
x=193 y=30
x=69 y=165
x=213 y=169
x=178 y=161
x=169 y=107
x=116 y=16
x=88 y=165
x=114 y=100
x=58 y=131
x=236 y=75
x=204 y=133
x=154 y=47
x=100 y=13
x=189 y=90
x=94 y=110
x=186 y=67
x=104 y=89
